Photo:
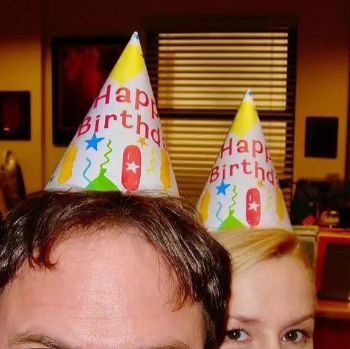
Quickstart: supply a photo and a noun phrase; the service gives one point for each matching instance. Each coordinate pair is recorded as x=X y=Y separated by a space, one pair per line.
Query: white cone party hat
x=119 y=145
x=242 y=190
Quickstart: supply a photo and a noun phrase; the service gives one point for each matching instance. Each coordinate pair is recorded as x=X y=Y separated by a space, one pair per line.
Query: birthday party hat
x=242 y=190
x=119 y=145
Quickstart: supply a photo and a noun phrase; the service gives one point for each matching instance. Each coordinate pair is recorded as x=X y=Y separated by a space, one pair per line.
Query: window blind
x=199 y=80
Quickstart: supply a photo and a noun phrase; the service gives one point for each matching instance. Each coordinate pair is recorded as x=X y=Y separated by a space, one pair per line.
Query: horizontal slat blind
x=199 y=80
x=194 y=144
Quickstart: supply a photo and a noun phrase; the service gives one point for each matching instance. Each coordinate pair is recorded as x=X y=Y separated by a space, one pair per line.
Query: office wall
x=323 y=54
x=322 y=75
x=20 y=69
x=322 y=84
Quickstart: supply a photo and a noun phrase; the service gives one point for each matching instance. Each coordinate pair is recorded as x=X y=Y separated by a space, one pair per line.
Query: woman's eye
x=237 y=335
x=295 y=336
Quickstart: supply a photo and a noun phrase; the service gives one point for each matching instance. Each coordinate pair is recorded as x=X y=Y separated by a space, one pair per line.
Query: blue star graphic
x=93 y=142
x=222 y=187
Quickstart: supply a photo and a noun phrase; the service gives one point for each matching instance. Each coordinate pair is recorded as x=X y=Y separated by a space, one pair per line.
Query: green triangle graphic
x=231 y=222
x=102 y=183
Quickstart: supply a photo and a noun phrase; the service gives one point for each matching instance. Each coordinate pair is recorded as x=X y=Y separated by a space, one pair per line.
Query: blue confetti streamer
x=86 y=169
x=218 y=211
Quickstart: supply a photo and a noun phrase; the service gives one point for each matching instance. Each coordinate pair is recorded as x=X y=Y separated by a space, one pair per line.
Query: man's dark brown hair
x=200 y=265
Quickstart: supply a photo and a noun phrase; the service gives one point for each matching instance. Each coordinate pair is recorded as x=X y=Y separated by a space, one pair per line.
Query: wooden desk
x=332 y=330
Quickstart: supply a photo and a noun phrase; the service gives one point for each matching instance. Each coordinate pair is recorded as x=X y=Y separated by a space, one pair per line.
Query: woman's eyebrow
x=245 y=319
x=302 y=318
x=251 y=320
x=49 y=342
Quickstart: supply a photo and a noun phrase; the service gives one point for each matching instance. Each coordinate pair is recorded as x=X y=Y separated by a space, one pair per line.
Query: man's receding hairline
x=170 y=225
x=125 y=228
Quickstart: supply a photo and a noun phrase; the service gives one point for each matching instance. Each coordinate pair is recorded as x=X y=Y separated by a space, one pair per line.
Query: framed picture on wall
x=80 y=66
x=321 y=137
x=15 y=115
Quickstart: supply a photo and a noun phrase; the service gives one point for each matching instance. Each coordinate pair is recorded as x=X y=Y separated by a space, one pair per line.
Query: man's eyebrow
x=48 y=342
x=53 y=343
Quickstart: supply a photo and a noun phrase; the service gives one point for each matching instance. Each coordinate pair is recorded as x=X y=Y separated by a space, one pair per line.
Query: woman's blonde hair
x=249 y=247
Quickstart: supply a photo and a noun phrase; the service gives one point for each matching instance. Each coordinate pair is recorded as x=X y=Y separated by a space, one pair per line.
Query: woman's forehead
x=276 y=288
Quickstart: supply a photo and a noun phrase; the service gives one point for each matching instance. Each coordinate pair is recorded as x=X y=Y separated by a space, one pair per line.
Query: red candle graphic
x=131 y=170
x=253 y=207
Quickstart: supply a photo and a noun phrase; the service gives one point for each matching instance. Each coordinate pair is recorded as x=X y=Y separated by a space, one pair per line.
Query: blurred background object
x=12 y=184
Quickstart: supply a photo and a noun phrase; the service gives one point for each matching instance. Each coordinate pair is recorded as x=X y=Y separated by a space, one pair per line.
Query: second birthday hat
x=242 y=190
x=119 y=145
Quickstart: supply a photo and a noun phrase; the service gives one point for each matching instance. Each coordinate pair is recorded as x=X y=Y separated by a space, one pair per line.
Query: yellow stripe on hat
x=66 y=170
x=165 y=170
x=204 y=206
x=246 y=118
x=130 y=64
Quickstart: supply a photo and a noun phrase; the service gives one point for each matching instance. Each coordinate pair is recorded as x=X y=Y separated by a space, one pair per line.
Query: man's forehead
x=107 y=289
x=114 y=255
x=107 y=269
x=104 y=278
